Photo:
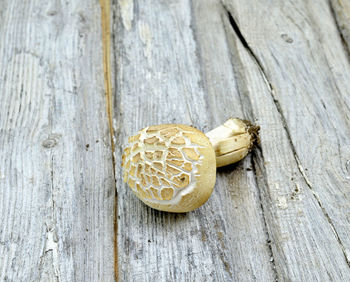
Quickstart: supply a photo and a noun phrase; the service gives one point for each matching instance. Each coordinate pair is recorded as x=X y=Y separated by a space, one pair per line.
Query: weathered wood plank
x=302 y=101
x=56 y=175
x=181 y=63
x=159 y=79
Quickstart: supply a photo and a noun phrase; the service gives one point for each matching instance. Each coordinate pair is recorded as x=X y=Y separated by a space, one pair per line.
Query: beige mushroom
x=172 y=167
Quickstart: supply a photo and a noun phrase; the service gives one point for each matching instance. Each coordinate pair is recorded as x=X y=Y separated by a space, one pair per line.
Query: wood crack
x=265 y=226
x=285 y=126
x=51 y=242
x=51 y=250
x=106 y=48
x=267 y=234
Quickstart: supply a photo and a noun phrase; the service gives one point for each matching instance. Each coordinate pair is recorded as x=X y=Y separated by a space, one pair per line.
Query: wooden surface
x=56 y=185
x=69 y=83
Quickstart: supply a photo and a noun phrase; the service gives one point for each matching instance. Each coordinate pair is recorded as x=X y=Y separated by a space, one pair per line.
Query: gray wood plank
x=302 y=104
x=160 y=79
x=56 y=174
x=282 y=64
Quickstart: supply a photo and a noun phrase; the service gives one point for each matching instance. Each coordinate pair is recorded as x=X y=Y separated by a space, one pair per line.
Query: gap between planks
x=106 y=50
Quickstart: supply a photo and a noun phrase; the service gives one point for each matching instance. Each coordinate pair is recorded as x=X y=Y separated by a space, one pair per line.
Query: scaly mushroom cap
x=170 y=167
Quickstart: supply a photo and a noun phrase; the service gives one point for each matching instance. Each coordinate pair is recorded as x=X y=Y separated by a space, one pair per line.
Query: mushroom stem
x=233 y=140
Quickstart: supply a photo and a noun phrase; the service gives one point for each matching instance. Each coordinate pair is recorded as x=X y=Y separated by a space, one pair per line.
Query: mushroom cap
x=170 y=167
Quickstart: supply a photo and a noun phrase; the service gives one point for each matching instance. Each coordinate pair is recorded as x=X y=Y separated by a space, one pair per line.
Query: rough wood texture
x=159 y=81
x=56 y=180
x=307 y=82
x=341 y=12
x=283 y=213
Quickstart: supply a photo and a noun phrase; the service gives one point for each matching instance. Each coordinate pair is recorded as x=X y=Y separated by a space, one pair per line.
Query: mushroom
x=172 y=167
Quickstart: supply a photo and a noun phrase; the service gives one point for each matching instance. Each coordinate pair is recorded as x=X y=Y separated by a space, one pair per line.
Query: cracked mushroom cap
x=170 y=167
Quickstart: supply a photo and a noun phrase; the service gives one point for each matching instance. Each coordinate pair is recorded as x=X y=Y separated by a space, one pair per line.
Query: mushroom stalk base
x=233 y=140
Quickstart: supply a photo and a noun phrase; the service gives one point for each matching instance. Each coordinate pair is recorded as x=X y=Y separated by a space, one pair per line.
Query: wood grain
x=160 y=80
x=282 y=214
x=308 y=86
x=341 y=12
x=56 y=184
